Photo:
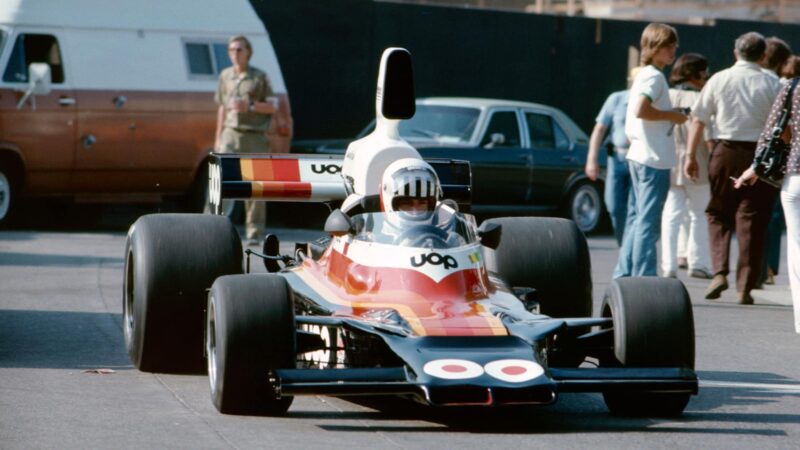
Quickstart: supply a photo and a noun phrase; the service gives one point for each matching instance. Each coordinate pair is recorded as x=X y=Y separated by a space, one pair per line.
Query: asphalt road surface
x=66 y=381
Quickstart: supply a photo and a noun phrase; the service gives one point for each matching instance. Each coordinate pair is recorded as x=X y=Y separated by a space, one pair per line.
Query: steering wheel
x=420 y=234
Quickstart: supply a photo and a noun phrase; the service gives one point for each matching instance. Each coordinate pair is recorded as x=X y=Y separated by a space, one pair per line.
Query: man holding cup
x=246 y=105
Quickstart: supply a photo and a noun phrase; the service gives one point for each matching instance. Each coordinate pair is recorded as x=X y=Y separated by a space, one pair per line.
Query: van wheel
x=653 y=327
x=8 y=193
x=584 y=206
x=171 y=260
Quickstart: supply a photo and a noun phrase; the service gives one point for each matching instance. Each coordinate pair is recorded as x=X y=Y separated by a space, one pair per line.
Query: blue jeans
x=618 y=194
x=637 y=257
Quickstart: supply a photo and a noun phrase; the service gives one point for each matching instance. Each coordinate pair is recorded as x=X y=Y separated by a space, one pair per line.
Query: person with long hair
x=649 y=119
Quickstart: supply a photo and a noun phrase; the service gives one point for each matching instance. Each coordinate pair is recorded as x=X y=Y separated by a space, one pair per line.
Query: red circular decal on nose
x=513 y=370
x=453 y=369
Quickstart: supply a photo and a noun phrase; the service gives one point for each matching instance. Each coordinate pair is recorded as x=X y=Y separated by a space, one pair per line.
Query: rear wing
x=307 y=178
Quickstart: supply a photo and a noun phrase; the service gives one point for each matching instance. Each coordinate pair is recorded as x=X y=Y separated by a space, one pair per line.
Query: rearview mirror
x=39 y=78
x=338 y=223
x=490 y=234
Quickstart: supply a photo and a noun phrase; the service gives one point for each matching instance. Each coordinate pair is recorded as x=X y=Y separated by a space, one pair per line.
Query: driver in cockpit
x=409 y=199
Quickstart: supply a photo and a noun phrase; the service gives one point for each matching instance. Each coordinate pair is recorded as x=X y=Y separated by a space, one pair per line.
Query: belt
x=732 y=143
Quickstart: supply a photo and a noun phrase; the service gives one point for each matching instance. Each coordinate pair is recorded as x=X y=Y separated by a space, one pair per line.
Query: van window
x=207 y=58
x=34 y=48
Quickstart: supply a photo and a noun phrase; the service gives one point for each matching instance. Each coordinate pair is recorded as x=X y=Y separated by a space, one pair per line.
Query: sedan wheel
x=585 y=207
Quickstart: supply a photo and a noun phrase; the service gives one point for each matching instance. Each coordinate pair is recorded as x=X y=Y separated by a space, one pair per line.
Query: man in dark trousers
x=736 y=101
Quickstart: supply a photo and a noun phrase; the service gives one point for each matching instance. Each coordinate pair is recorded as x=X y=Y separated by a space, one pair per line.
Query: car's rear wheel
x=653 y=327
x=584 y=206
x=549 y=255
x=171 y=260
x=250 y=332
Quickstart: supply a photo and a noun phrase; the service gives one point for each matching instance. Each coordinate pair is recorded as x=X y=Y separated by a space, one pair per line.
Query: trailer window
x=207 y=59
x=34 y=48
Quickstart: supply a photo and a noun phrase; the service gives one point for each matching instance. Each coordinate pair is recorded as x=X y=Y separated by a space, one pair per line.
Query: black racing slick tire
x=170 y=262
x=250 y=332
x=549 y=255
x=653 y=327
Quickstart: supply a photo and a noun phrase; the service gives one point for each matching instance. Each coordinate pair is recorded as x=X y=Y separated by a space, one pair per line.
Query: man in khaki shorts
x=246 y=105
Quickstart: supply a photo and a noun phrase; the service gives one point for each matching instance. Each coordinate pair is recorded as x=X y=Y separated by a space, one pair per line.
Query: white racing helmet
x=404 y=179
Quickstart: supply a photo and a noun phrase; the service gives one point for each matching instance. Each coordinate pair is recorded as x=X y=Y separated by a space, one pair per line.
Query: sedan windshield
x=440 y=124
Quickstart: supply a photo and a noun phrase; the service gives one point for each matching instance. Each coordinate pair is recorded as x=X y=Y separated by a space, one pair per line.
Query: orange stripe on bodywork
x=281 y=189
x=279 y=170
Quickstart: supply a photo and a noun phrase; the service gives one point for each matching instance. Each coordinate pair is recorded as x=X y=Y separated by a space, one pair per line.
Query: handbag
x=769 y=163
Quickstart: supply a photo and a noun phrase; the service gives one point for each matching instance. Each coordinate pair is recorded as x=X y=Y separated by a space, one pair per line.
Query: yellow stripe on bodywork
x=246 y=166
x=498 y=329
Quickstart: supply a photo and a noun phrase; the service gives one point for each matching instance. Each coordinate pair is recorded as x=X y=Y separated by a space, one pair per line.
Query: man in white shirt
x=737 y=102
x=648 y=124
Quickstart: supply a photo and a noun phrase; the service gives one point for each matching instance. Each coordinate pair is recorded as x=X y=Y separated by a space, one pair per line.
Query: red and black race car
x=394 y=301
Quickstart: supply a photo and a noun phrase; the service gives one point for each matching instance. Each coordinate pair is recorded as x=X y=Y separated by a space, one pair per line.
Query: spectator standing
x=790 y=190
x=775 y=56
x=687 y=198
x=790 y=69
x=246 y=103
x=649 y=119
x=737 y=102
x=777 y=53
x=618 y=196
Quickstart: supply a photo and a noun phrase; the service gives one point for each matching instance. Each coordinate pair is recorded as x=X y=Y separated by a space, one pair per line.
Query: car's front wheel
x=584 y=206
x=250 y=332
x=653 y=327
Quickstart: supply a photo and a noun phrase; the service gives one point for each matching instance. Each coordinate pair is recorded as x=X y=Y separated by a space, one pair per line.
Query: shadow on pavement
x=49 y=260
x=61 y=340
